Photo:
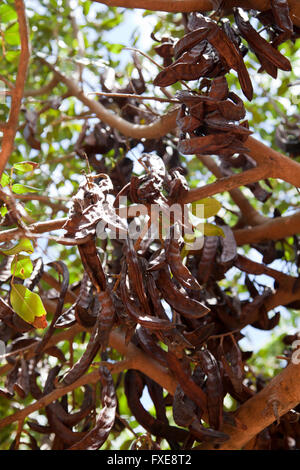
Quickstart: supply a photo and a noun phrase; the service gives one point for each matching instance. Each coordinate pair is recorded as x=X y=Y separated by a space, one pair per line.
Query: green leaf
x=23 y=188
x=212 y=230
x=211 y=207
x=114 y=48
x=7 y=13
x=12 y=36
x=23 y=245
x=26 y=304
x=86 y=7
x=193 y=241
x=3 y=211
x=4 y=180
x=24 y=167
x=21 y=266
x=12 y=56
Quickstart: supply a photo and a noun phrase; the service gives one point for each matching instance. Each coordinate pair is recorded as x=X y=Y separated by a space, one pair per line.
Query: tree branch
x=257 y=412
x=64 y=335
x=249 y=214
x=227 y=183
x=198 y=5
x=43 y=199
x=38 y=227
x=10 y=129
x=78 y=36
x=279 y=166
x=274 y=229
x=44 y=89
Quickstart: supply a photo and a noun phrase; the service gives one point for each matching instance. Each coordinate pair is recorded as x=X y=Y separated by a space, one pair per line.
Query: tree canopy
x=149 y=240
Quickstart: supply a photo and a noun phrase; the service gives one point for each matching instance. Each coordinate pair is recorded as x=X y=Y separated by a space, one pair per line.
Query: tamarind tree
x=149 y=240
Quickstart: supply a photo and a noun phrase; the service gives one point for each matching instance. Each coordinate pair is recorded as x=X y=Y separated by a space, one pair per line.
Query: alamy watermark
x=2 y=350
x=296 y=350
x=295 y=92
x=3 y=92
x=152 y=222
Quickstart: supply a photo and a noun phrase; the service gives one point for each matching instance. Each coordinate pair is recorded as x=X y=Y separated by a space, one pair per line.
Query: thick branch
x=257 y=413
x=274 y=229
x=249 y=213
x=279 y=165
x=198 y=5
x=283 y=296
x=39 y=227
x=17 y=94
x=227 y=183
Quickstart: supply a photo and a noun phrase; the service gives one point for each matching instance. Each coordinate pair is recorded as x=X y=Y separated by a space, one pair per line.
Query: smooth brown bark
x=10 y=128
x=257 y=413
x=199 y=5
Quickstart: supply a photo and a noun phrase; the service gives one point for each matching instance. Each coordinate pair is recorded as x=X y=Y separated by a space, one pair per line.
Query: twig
x=18 y=435
x=6 y=81
x=138 y=51
x=160 y=127
x=78 y=36
x=138 y=97
x=279 y=166
x=12 y=123
x=62 y=336
x=93 y=377
x=43 y=90
x=43 y=199
x=38 y=227
x=123 y=421
x=154 y=62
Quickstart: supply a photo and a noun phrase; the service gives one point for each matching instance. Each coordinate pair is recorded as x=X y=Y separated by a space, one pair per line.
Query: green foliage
x=4 y=180
x=23 y=189
x=265 y=361
x=26 y=304
x=21 y=266
x=211 y=229
x=7 y=14
x=22 y=245
x=210 y=207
